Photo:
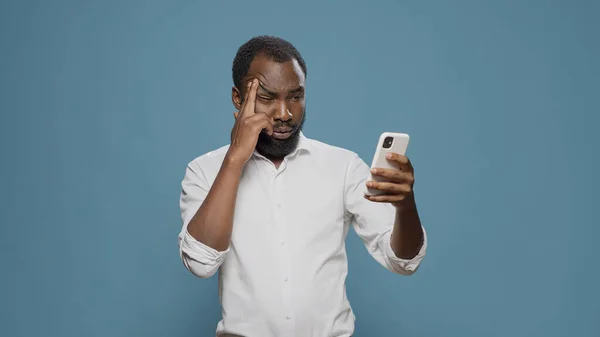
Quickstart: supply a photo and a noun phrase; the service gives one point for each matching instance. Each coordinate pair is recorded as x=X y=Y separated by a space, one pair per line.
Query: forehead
x=276 y=76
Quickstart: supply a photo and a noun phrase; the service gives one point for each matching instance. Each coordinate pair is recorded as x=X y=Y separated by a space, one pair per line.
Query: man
x=271 y=210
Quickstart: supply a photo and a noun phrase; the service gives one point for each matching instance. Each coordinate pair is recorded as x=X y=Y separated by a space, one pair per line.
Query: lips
x=282 y=133
x=282 y=130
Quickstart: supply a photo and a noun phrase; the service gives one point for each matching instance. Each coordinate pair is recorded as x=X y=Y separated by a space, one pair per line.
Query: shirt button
x=288 y=317
x=285 y=279
x=282 y=242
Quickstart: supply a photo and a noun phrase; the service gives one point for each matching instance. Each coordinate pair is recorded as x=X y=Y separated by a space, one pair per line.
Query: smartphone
x=388 y=142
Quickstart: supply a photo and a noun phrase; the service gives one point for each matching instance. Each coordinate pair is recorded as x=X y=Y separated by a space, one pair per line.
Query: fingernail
x=249 y=84
x=373 y=170
x=388 y=155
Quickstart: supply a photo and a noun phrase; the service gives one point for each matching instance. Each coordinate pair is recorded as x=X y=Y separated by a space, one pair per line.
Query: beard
x=272 y=147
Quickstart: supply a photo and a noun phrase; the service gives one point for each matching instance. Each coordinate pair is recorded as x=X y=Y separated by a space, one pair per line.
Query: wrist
x=233 y=161
x=408 y=204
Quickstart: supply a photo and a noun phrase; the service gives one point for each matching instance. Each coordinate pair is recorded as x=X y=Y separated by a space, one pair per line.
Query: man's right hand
x=247 y=127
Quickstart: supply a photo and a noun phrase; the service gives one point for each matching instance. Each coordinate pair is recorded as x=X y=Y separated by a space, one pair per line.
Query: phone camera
x=387 y=142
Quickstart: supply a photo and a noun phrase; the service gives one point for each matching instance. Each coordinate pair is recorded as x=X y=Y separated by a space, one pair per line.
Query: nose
x=283 y=112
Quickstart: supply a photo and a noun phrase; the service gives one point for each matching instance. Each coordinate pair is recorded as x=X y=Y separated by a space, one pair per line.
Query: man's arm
x=213 y=222
x=407 y=235
x=376 y=223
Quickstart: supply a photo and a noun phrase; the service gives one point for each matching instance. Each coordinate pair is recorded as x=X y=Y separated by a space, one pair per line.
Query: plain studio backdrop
x=105 y=102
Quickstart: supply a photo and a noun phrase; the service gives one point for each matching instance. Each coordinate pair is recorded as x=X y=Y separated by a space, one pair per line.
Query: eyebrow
x=273 y=93
x=297 y=90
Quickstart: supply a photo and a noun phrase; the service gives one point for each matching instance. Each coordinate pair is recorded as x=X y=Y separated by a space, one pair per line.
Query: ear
x=236 y=98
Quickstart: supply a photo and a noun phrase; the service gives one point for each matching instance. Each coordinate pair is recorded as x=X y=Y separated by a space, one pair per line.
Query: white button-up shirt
x=285 y=269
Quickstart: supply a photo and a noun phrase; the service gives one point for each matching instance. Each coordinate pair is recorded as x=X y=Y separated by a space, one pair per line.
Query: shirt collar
x=303 y=144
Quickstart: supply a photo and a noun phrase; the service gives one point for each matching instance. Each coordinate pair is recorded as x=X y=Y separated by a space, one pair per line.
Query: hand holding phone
x=388 y=142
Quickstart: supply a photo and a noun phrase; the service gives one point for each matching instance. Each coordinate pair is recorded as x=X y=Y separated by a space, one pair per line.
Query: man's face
x=280 y=95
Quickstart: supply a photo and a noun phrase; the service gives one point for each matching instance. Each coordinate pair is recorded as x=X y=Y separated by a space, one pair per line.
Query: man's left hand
x=398 y=185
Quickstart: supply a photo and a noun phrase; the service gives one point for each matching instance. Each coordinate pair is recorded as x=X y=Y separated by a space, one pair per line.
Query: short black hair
x=274 y=48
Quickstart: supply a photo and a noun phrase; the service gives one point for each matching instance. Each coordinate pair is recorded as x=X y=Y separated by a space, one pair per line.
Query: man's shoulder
x=210 y=159
x=331 y=151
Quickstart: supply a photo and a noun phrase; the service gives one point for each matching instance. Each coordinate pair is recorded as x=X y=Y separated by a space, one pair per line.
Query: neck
x=276 y=161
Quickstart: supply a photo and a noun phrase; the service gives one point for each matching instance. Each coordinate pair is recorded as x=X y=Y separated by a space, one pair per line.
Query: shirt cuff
x=405 y=265
x=200 y=252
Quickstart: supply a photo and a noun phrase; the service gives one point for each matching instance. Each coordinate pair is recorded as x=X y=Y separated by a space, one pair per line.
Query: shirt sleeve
x=200 y=259
x=373 y=222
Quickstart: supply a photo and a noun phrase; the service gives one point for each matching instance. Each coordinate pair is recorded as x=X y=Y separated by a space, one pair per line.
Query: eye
x=264 y=98
x=296 y=97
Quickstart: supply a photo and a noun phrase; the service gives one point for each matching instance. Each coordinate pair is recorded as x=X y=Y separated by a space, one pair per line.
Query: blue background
x=104 y=103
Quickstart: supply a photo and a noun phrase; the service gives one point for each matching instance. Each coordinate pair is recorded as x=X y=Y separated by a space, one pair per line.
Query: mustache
x=280 y=125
